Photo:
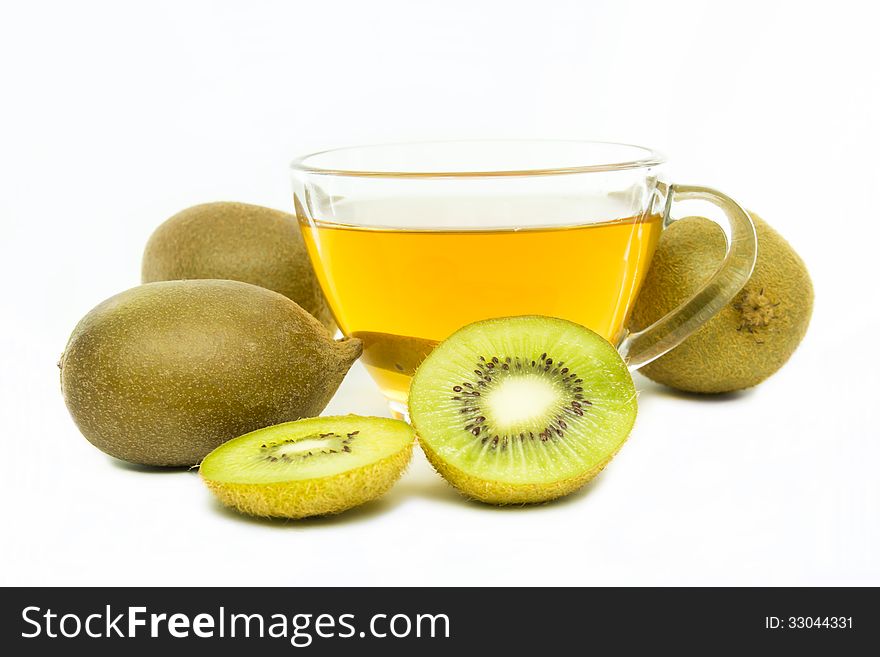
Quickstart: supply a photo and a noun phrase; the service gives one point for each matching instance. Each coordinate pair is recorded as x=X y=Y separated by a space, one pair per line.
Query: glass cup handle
x=642 y=347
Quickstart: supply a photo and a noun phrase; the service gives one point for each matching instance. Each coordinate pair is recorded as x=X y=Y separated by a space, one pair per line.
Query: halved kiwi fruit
x=309 y=467
x=522 y=409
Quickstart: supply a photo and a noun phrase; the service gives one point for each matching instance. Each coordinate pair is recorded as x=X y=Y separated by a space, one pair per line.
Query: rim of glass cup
x=648 y=158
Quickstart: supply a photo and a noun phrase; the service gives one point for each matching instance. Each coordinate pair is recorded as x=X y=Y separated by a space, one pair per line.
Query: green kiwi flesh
x=312 y=467
x=522 y=409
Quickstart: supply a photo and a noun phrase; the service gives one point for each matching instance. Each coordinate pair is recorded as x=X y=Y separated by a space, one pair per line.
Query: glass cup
x=412 y=241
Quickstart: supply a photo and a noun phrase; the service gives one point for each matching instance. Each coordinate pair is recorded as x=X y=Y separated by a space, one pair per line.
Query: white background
x=114 y=116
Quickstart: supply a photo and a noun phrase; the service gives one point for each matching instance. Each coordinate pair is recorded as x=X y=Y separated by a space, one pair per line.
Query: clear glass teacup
x=412 y=241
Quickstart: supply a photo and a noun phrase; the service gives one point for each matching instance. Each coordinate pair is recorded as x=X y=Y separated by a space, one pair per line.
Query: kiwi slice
x=522 y=409
x=310 y=467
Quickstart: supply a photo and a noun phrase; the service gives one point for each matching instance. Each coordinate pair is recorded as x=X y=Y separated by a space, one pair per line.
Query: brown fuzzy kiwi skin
x=750 y=338
x=501 y=493
x=240 y=242
x=314 y=497
x=163 y=373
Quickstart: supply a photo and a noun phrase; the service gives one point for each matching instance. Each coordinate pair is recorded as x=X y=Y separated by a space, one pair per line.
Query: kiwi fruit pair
x=749 y=339
x=163 y=373
x=510 y=411
x=239 y=242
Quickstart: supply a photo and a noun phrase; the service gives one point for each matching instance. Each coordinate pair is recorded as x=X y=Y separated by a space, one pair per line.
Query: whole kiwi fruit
x=750 y=338
x=239 y=242
x=163 y=373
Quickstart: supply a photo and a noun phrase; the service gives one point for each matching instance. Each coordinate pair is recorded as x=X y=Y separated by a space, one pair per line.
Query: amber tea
x=402 y=290
x=413 y=241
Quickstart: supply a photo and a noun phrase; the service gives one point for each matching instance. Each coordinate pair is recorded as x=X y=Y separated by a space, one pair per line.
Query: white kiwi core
x=521 y=401
x=310 y=445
